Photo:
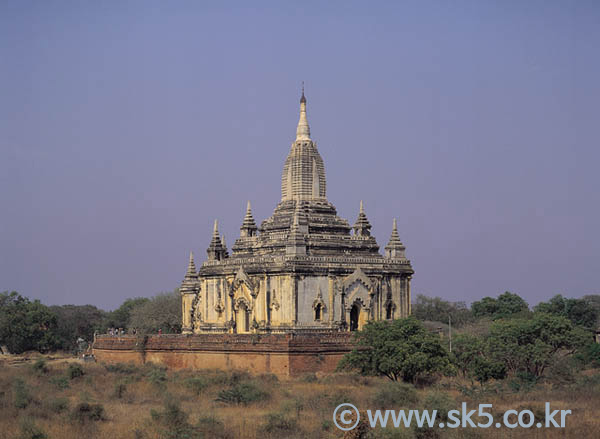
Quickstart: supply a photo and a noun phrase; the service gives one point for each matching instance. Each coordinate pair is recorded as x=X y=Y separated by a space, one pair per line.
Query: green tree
x=436 y=309
x=26 y=325
x=400 y=349
x=530 y=345
x=163 y=311
x=471 y=359
x=506 y=305
x=120 y=317
x=579 y=311
x=74 y=321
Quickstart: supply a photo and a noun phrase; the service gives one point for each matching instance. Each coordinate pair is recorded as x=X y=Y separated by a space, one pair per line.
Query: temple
x=303 y=269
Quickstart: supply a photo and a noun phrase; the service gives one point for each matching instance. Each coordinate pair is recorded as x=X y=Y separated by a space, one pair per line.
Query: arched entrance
x=354 y=316
x=242 y=318
x=389 y=313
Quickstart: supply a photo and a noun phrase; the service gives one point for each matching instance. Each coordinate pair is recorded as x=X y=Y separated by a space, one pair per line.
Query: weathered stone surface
x=302 y=269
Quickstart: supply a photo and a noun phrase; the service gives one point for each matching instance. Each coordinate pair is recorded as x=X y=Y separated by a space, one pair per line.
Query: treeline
x=584 y=312
x=496 y=338
x=27 y=325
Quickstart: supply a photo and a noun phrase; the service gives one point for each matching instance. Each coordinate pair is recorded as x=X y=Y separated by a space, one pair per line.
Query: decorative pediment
x=242 y=278
x=357 y=276
x=319 y=301
x=358 y=288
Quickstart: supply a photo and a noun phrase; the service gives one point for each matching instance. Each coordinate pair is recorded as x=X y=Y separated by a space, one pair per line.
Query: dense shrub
x=58 y=405
x=75 y=371
x=84 y=412
x=243 y=393
x=172 y=422
x=212 y=427
x=40 y=367
x=196 y=384
x=61 y=383
x=309 y=377
x=31 y=431
x=279 y=423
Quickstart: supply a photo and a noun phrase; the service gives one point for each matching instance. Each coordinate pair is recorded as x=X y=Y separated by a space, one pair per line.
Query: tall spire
x=362 y=226
x=303 y=130
x=395 y=249
x=249 y=225
x=303 y=176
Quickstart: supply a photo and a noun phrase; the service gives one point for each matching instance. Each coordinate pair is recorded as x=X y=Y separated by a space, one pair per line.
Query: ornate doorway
x=242 y=318
x=354 y=317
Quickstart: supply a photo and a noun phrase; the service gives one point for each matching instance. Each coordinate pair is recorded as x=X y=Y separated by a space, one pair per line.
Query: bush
x=61 y=382
x=244 y=393
x=156 y=374
x=212 y=427
x=173 y=422
x=22 y=398
x=58 y=405
x=309 y=377
x=395 y=396
x=40 y=367
x=196 y=385
x=279 y=423
x=30 y=431
x=84 y=412
x=75 y=371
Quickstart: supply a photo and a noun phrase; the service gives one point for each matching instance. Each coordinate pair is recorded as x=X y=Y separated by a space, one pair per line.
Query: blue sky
x=126 y=128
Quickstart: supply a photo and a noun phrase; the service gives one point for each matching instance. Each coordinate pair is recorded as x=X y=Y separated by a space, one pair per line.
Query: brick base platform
x=285 y=355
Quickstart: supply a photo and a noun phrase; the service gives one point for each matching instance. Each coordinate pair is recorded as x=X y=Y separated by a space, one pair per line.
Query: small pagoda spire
x=362 y=226
x=224 y=245
x=249 y=225
x=395 y=249
x=215 y=250
x=191 y=270
x=303 y=130
x=190 y=281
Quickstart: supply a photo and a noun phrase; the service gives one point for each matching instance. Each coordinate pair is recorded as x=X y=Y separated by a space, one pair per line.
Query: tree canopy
x=531 y=344
x=506 y=305
x=580 y=312
x=26 y=325
x=400 y=349
x=437 y=309
x=163 y=312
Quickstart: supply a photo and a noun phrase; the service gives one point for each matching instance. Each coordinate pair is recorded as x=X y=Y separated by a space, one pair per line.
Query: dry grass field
x=64 y=398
